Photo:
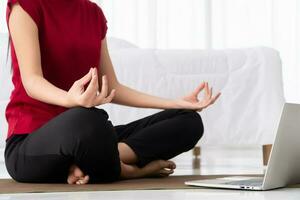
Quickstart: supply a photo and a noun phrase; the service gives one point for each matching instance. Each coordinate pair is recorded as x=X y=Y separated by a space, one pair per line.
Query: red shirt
x=70 y=34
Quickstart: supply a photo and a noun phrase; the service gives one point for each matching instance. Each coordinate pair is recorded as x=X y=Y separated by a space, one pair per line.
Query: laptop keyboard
x=251 y=182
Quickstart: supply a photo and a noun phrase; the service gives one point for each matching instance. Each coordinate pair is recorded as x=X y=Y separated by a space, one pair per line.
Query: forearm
x=130 y=97
x=40 y=89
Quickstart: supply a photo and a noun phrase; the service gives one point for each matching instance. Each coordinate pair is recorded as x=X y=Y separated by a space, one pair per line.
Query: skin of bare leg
x=130 y=171
x=128 y=158
x=157 y=168
x=127 y=155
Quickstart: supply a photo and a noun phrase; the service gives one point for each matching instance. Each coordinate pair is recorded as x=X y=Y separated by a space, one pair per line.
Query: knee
x=87 y=113
x=194 y=127
x=88 y=123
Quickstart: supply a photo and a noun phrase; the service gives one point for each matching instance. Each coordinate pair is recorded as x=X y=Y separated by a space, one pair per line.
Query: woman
x=56 y=134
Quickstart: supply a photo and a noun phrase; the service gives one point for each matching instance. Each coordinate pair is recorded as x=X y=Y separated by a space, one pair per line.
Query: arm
x=125 y=95
x=130 y=97
x=24 y=33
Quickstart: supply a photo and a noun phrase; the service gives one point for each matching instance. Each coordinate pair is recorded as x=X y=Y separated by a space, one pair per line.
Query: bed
x=250 y=80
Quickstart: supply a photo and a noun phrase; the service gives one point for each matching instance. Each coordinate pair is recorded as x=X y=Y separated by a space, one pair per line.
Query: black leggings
x=85 y=137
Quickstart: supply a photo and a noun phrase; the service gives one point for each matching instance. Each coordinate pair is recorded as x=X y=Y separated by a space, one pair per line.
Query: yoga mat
x=166 y=183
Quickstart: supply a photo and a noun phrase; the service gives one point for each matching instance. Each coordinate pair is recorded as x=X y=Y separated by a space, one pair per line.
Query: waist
x=25 y=118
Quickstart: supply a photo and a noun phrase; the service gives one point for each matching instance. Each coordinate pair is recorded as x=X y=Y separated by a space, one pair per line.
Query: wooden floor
x=213 y=161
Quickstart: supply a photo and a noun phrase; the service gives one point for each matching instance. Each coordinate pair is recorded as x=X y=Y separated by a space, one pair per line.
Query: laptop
x=284 y=162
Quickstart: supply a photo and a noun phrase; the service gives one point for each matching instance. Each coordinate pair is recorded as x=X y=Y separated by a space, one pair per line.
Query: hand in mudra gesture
x=192 y=102
x=90 y=97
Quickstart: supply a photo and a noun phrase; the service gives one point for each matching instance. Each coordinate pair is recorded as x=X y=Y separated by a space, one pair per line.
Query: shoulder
x=99 y=17
x=32 y=3
x=96 y=8
x=31 y=7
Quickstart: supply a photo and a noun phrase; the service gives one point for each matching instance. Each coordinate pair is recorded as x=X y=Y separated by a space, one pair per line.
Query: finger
x=216 y=97
x=199 y=88
x=104 y=88
x=99 y=100
x=206 y=89
x=210 y=93
x=205 y=105
x=110 y=97
x=206 y=93
x=212 y=100
x=85 y=79
x=91 y=90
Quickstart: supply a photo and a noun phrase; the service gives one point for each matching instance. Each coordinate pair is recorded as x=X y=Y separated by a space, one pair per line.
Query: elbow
x=28 y=89
x=29 y=85
x=112 y=85
x=116 y=85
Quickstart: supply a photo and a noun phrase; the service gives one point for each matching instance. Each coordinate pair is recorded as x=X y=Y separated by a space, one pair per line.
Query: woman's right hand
x=78 y=96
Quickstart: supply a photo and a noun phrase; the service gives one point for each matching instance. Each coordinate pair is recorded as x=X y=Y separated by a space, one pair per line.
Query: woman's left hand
x=192 y=102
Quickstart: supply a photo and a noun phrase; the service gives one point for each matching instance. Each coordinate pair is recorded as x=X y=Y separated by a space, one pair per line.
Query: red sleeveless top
x=70 y=34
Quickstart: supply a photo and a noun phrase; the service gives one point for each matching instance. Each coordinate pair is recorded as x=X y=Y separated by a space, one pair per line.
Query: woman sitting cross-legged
x=61 y=73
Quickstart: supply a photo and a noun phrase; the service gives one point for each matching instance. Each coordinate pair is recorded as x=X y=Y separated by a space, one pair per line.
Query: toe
x=84 y=180
x=171 y=165
x=166 y=171
x=75 y=174
x=168 y=164
x=72 y=179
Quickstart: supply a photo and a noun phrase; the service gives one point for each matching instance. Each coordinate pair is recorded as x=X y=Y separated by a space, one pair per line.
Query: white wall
x=5 y=88
x=3 y=16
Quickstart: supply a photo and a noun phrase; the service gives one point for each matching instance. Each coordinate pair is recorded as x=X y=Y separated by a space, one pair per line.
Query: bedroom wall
x=5 y=88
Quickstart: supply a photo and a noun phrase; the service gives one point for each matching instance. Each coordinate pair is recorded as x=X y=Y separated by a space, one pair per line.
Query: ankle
x=130 y=171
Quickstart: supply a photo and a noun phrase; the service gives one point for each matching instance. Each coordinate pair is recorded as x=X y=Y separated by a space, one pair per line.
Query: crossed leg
x=147 y=144
x=129 y=170
x=155 y=168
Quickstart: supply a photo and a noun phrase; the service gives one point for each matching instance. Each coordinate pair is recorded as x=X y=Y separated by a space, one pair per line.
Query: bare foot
x=159 y=168
x=76 y=176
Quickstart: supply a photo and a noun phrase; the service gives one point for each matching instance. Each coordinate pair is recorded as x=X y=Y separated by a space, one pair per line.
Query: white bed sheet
x=250 y=80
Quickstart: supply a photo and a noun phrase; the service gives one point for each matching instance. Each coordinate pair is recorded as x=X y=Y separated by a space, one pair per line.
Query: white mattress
x=250 y=81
